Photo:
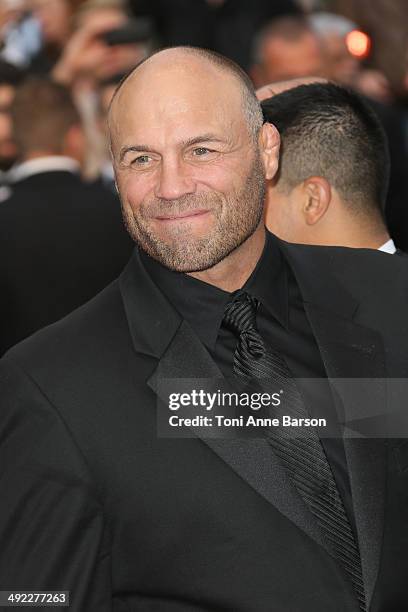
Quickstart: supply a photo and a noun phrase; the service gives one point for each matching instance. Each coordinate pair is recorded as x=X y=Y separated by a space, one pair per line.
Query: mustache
x=158 y=207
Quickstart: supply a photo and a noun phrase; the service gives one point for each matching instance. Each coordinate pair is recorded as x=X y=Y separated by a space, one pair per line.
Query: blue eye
x=201 y=151
x=141 y=160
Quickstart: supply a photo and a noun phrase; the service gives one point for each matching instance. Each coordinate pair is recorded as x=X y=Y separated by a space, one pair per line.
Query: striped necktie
x=302 y=455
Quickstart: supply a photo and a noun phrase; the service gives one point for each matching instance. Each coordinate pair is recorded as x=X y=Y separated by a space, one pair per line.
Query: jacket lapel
x=252 y=459
x=157 y=330
x=350 y=351
x=343 y=343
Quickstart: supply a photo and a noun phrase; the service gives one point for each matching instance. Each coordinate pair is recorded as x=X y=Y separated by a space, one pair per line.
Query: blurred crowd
x=60 y=61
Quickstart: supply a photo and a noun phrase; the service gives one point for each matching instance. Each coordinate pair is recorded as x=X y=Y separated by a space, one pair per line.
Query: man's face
x=189 y=174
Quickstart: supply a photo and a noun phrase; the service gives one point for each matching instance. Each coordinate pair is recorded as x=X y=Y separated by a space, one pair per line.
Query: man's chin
x=188 y=257
x=182 y=262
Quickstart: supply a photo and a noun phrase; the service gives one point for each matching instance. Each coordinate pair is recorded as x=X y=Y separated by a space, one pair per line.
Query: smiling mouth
x=188 y=214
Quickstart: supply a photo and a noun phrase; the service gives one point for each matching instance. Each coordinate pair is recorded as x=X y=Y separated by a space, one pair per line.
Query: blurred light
x=358 y=43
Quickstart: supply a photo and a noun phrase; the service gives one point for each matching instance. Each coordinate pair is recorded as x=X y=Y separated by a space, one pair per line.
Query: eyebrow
x=184 y=143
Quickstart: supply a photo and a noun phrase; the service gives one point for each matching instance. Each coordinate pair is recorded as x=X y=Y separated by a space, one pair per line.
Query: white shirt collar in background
x=388 y=247
x=51 y=163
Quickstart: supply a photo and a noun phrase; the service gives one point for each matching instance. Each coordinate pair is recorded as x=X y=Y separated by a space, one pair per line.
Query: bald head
x=166 y=69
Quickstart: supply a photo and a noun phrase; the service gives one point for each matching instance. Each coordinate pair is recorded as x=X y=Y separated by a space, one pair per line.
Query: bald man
x=124 y=480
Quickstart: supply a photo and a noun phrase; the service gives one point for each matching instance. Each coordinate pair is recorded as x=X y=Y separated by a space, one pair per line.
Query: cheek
x=133 y=190
x=225 y=176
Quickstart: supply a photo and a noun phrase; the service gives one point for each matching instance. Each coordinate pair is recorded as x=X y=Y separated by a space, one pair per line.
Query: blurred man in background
x=61 y=240
x=298 y=46
x=341 y=66
x=333 y=170
x=294 y=47
x=286 y=48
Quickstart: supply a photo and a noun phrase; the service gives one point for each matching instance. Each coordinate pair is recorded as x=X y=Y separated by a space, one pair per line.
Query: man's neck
x=356 y=232
x=232 y=272
x=39 y=153
x=367 y=240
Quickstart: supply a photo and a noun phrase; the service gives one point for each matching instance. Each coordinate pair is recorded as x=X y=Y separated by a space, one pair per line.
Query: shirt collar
x=269 y=281
x=51 y=163
x=202 y=305
x=388 y=247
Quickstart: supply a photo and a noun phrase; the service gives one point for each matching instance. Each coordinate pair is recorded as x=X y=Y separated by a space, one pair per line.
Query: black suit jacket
x=95 y=502
x=61 y=242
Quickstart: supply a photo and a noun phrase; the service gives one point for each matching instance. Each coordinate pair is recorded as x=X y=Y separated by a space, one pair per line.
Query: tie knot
x=240 y=317
x=240 y=314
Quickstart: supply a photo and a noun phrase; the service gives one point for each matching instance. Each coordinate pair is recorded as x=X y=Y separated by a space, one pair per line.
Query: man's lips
x=188 y=214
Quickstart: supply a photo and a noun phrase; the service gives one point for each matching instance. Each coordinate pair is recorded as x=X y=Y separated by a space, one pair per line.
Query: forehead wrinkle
x=184 y=142
x=183 y=64
x=151 y=78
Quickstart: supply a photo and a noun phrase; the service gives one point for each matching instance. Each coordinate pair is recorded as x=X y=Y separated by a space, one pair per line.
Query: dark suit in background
x=97 y=503
x=61 y=242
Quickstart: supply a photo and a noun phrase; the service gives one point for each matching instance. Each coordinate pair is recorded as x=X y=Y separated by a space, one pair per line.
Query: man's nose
x=174 y=181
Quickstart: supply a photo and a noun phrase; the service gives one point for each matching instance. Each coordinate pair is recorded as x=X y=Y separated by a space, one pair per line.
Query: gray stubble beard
x=243 y=214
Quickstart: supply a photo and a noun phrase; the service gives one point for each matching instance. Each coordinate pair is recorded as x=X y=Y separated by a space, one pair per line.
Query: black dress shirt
x=281 y=321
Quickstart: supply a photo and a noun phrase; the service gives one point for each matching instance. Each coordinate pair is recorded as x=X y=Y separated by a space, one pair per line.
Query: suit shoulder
x=99 y=327
x=66 y=186
x=96 y=191
x=7 y=205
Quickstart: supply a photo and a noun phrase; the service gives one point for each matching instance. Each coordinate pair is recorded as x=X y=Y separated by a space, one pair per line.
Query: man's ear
x=317 y=196
x=269 y=142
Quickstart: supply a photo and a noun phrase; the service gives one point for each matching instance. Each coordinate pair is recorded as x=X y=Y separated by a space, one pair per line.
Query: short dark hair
x=42 y=113
x=329 y=131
